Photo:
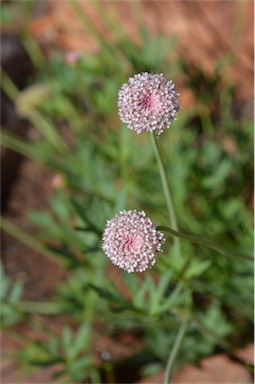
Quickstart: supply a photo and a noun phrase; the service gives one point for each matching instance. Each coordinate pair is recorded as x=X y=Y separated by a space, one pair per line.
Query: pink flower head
x=148 y=103
x=57 y=181
x=72 y=57
x=130 y=240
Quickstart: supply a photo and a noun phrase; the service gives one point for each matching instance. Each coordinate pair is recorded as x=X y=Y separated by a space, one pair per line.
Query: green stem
x=17 y=336
x=241 y=9
x=206 y=120
x=9 y=87
x=213 y=335
x=111 y=20
x=43 y=308
x=33 y=50
x=26 y=239
x=48 y=130
x=80 y=12
x=170 y=207
x=109 y=372
x=20 y=146
x=138 y=14
x=175 y=350
x=208 y=243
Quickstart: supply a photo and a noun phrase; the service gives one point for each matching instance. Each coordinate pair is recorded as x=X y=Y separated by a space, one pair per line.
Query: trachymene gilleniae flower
x=148 y=103
x=131 y=241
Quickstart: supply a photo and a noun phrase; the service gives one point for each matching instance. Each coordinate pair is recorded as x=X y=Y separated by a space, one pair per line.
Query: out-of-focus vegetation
x=104 y=168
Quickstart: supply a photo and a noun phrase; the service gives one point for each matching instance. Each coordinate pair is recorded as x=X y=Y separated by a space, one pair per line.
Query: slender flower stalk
x=149 y=103
x=175 y=350
x=170 y=207
x=27 y=239
x=205 y=242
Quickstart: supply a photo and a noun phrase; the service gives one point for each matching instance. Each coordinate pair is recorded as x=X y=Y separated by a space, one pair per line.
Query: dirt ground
x=206 y=30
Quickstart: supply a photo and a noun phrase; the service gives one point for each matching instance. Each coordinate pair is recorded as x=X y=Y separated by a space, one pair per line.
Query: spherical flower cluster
x=148 y=103
x=130 y=240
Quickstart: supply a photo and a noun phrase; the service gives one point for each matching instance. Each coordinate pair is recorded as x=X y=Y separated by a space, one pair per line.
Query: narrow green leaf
x=80 y=210
x=159 y=291
x=67 y=339
x=103 y=292
x=140 y=298
x=16 y=292
x=175 y=298
x=81 y=341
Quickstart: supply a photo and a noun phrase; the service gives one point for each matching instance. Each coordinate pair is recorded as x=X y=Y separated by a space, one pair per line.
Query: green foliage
x=10 y=295
x=106 y=168
x=69 y=351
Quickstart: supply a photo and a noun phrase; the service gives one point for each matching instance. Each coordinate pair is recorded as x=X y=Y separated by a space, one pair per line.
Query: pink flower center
x=132 y=243
x=150 y=101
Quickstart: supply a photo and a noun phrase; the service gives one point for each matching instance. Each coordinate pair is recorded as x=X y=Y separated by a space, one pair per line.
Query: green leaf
x=176 y=297
x=53 y=348
x=197 y=267
x=132 y=282
x=81 y=341
x=140 y=300
x=81 y=212
x=219 y=176
x=67 y=339
x=106 y=294
x=16 y=292
x=159 y=291
x=214 y=315
x=78 y=368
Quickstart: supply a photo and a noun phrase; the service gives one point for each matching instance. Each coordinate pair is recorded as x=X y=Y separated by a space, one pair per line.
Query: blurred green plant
x=69 y=352
x=10 y=295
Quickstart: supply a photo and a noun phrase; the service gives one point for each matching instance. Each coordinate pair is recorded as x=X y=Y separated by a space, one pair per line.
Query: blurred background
x=67 y=161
